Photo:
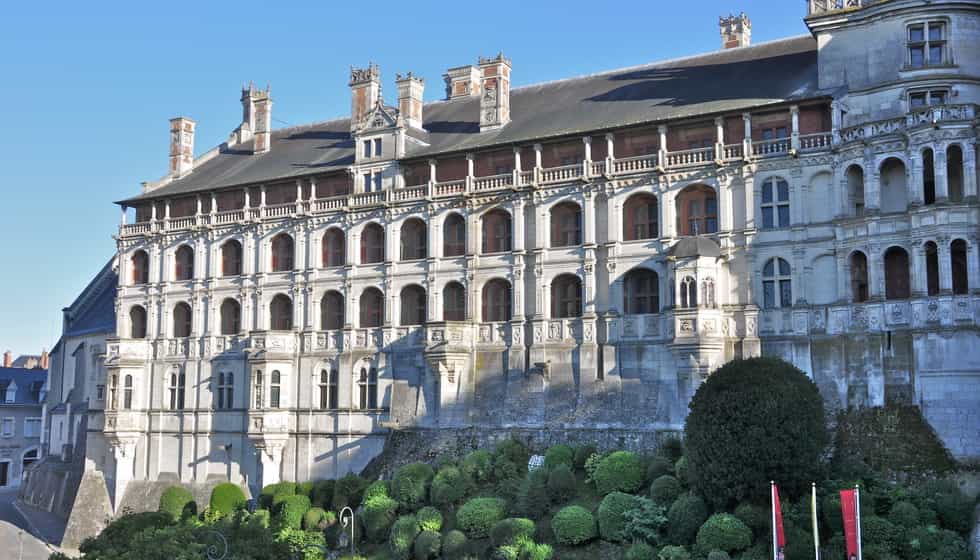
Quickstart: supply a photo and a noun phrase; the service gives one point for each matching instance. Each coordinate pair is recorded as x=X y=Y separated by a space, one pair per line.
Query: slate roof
x=24 y=378
x=696 y=246
x=718 y=82
x=93 y=310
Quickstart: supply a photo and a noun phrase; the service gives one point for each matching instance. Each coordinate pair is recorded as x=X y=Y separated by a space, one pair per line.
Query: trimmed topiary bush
x=479 y=515
x=672 y=448
x=315 y=519
x=562 y=484
x=378 y=488
x=905 y=515
x=402 y=537
x=510 y=460
x=454 y=545
x=322 y=493
x=559 y=455
x=640 y=551
x=272 y=494
x=260 y=517
x=673 y=553
x=725 y=532
x=348 y=491
x=305 y=489
x=611 y=515
x=734 y=451
x=533 y=494
x=226 y=498
x=410 y=485
x=178 y=502
x=684 y=518
x=645 y=521
x=877 y=531
x=478 y=465
x=582 y=454
x=377 y=514
x=427 y=545
x=665 y=489
x=449 y=487
x=682 y=473
x=758 y=519
x=573 y=525
x=621 y=470
x=507 y=531
x=659 y=466
x=291 y=511
x=429 y=518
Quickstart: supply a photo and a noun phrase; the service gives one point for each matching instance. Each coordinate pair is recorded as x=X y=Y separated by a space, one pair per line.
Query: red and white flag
x=778 y=537
x=850 y=509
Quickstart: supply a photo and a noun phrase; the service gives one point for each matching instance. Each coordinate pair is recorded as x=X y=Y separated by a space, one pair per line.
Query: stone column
x=391 y=303
x=749 y=179
x=915 y=187
x=588 y=219
x=799 y=276
x=474 y=239
x=747 y=141
x=945 y=266
x=835 y=121
x=270 y=456
x=517 y=219
x=124 y=453
x=662 y=148
x=970 y=171
x=668 y=220
x=469 y=172
x=972 y=266
x=939 y=167
x=610 y=150
x=794 y=115
x=919 y=281
x=876 y=273
x=872 y=189
x=843 y=277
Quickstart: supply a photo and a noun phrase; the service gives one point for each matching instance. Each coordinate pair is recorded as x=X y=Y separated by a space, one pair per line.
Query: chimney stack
x=495 y=99
x=365 y=91
x=262 y=102
x=253 y=100
x=181 y=146
x=410 y=91
x=736 y=31
x=45 y=359
x=462 y=81
x=8 y=359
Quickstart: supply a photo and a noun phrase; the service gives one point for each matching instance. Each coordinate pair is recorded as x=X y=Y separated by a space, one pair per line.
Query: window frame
x=454 y=245
x=453 y=308
x=640 y=205
x=773 y=208
x=645 y=301
x=176 y=390
x=778 y=280
x=926 y=43
x=275 y=389
x=928 y=94
x=566 y=300
x=496 y=303
x=333 y=249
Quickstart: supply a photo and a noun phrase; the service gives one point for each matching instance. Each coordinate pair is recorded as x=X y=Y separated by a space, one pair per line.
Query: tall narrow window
x=258 y=387
x=566 y=224
x=932 y=268
x=927 y=44
x=184 y=263
x=332 y=311
x=275 y=389
x=641 y=292
x=372 y=244
x=413 y=240
x=957 y=254
x=954 y=172
x=176 y=389
x=333 y=248
x=855 y=190
x=896 y=273
x=231 y=258
x=777 y=288
x=496 y=301
x=775 y=204
x=368 y=388
x=231 y=317
x=413 y=305
x=454 y=236
x=453 y=302
x=566 y=296
x=328 y=389
x=859 y=277
x=496 y=231
x=137 y=322
x=697 y=210
x=283 y=253
x=708 y=292
x=281 y=313
x=640 y=217
x=182 y=320
x=225 y=390
x=928 y=177
x=372 y=308
x=113 y=391
x=128 y=392
x=689 y=292
x=141 y=267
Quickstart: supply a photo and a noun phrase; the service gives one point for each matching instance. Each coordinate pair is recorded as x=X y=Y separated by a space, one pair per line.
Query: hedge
x=562 y=484
x=573 y=525
x=454 y=545
x=507 y=531
x=622 y=471
x=479 y=515
x=427 y=545
x=377 y=514
x=226 y=498
x=402 y=536
x=478 y=465
x=725 y=532
x=410 y=485
x=684 y=518
x=305 y=489
x=322 y=493
x=378 y=488
x=314 y=519
x=429 y=518
x=449 y=486
x=260 y=517
x=665 y=489
x=291 y=511
x=348 y=491
x=268 y=495
x=659 y=466
x=611 y=515
x=559 y=455
x=178 y=502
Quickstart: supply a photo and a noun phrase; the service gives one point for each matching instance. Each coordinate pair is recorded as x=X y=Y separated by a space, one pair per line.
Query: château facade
x=574 y=255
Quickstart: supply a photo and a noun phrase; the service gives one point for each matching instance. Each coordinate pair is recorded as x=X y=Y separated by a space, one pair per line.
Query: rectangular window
x=32 y=427
x=769 y=294
x=377 y=147
x=7 y=429
x=367 y=182
x=785 y=294
x=367 y=148
x=99 y=392
x=377 y=182
x=921 y=99
x=927 y=44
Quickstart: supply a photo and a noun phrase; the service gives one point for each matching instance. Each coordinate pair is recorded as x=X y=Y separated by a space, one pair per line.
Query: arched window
x=231 y=258
x=894 y=192
x=283 y=253
x=453 y=302
x=372 y=308
x=932 y=268
x=859 y=277
x=641 y=217
x=708 y=292
x=231 y=317
x=176 y=389
x=140 y=262
x=368 y=387
x=566 y=296
x=413 y=305
x=182 y=320
x=332 y=311
x=957 y=254
x=896 y=273
x=496 y=301
x=954 y=172
x=697 y=210
x=641 y=292
x=372 y=244
x=275 y=389
x=928 y=177
x=454 y=236
x=328 y=389
x=281 y=313
x=333 y=248
x=566 y=224
x=184 y=263
x=777 y=286
x=413 y=237
x=496 y=231
x=137 y=322
x=855 y=190
x=128 y=392
x=226 y=385
x=775 y=203
x=113 y=391
x=257 y=389
x=689 y=292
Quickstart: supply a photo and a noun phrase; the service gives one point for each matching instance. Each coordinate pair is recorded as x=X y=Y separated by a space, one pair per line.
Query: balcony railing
x=561 y=174
x=774 y=147
x=634 y=164
x=688 y=158
x=818 y=141
x=493 y=182
x=917 y=117
x=818 y=7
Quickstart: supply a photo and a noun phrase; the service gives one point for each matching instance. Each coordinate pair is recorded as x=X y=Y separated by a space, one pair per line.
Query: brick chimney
x=8 y=359
x=45 y=359
x=181 y=146
x=262 y=102
x=462 y=81
x=410 y=91
x=495 y=98
x=736 y=31
x=365 y=91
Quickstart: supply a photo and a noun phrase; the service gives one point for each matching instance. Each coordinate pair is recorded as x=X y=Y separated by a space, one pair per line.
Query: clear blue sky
x=87 y=89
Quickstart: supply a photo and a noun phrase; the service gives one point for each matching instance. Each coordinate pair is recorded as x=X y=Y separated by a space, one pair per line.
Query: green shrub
x=302 y=545
x=725 y=532
x=665 y=489
x=479 y=515
x=429 y=518
x=562 y=484
x=640 y=551
x=226 y=498
x=684 y=518
x=672 y=448
x=305 y=489
x=314 y=519
x=904 y=514
x=758 y=519
x=645 y=521
x=532 y=495
x=427 y=545
x=377 y=514
x=267 y=497
x=322 y=493
x=559 y=455
x=449 y=487
x=260 y=517
x=348 y=491
x=682 y=472
x=933 y=543
x=291 y=511
x=955 y=510
x=507 y=531
x=478 y=465
x=659 y=466
x=410 y=485
x=527 y=549
x=378 y=488
x=611 y=515
x=718 y=555
x=620 y=471
x=582 y=454
x=877 y=531
x=733 y=451
x=591 y=464
x=454 y=545
x=402 y=536
x=573 y=525
x=118 y=535
x=510 y=459
x=673 y=553
x=178 y=502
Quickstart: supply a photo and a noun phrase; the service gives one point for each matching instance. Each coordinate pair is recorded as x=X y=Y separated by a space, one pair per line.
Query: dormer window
x=927 y=44
x=919 y=99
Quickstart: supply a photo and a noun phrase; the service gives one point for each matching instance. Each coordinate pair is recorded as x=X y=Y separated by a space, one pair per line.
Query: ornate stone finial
x=361 y=75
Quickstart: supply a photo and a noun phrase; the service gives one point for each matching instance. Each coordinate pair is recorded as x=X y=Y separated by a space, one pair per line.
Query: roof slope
x=24 y=379
x=722 y=81
x=94 y=310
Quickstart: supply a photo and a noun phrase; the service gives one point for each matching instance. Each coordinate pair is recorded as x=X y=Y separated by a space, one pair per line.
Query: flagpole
x=772 y=501
x=813 y=515
x=857 y=515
